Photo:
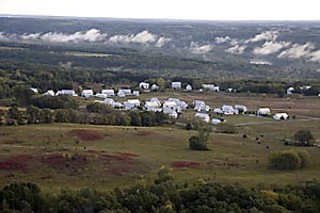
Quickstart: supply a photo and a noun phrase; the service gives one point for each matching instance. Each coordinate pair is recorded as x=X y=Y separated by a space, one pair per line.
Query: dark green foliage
x=289 y=159
x=135 y=118
x=196 y=143
x=304 y=138
x=54 y=102
x=164 y=196
x=23 y=95
x=99 y=108
x=24 y=197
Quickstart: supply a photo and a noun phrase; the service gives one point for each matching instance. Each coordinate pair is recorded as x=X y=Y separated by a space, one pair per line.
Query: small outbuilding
x=280 y=116
x=203 y=116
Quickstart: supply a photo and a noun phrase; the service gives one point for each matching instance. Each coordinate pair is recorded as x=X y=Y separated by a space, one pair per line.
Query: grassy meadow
x=75 y=156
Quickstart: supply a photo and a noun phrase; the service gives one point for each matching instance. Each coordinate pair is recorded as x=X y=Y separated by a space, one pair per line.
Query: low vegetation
x=289 y=159
x=164 y=196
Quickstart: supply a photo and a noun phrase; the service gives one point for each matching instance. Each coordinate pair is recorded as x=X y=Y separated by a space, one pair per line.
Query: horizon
x=201 y=10
x=154 y=19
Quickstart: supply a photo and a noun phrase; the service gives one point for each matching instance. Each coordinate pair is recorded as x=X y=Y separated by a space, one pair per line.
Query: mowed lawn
x=69 y=155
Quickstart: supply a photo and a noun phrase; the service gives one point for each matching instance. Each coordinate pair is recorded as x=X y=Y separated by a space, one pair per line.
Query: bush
x=289 y=159
x=304 y=138
x=196 y=143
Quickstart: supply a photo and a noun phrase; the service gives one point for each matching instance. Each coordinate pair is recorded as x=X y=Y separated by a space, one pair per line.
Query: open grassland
x=71 y=155
x=67 y=155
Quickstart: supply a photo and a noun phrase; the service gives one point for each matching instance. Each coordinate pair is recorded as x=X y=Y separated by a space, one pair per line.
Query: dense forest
x=164 y=195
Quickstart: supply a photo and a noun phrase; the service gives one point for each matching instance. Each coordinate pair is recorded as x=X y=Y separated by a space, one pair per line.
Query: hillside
x=215 y=50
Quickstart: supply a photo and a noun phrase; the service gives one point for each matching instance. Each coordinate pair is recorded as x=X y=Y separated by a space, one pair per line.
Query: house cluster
x=172 y=107
x=87 y=93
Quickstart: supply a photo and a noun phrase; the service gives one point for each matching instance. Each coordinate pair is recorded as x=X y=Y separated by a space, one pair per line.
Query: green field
x=68 y=155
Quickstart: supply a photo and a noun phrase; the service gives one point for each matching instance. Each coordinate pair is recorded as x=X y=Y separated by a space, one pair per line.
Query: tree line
x=164 y=196
x=95 y=113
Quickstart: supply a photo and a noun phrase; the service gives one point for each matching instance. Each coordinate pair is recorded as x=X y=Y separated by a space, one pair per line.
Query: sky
x=168 y=9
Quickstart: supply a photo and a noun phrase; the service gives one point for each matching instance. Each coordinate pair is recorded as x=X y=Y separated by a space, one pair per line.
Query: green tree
x=135 y=118
x=33 y=115
x=22 y=196
x=288 y=159
x=304 y=138
x=200 y=141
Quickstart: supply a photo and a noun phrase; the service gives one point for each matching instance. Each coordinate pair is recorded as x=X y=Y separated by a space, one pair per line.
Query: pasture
x=73 y=155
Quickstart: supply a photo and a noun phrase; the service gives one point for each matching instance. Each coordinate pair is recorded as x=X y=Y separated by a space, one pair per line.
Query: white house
x=280 y=116
x=131 y=104
x=152 y=106
x=154 y=87
x=208 y=87
x=67 y=92
x=200 y=106
x=180 y=104
x=118 y=105
x=189 y=87
x=176 y=85
x=156 y=100
x=108 y=92
x=241 y=108
x=229 y=90
x=264 y=111
x=218 y=111
x=215 y=121
x=135 y=93
x=35 y=90
x=211 y=87
x=216 y=89
x=290 y=90
x=121 y=94
x=144 y=85
x=229 y=110
x=170 y=104
x=49 y=92
x=87 y=93
x=100 y=95
x=107 y=101
x=170 y=111
x=126 y=92
x=203 y=116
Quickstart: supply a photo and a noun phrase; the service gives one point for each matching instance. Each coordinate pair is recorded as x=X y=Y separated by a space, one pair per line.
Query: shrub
x=289 y=159
x=304 y=138
x=196 y=143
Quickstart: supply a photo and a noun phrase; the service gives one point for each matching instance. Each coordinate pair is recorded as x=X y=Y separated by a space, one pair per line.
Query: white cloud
x=200 y=49
x=3 y=37
x=92 y=35
x=142 y=38
x=270 y=47
x=267 y=35
x=162 y=41
x=226 y=39
x=220 y=40
x=237 y=49
x=32 y=36
x=315 y=56
x=298 y=51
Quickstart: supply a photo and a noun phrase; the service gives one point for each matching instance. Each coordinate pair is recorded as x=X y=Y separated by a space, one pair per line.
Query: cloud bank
x=92 y=35
x=236 y=49
x=200 y=49
x=270 y=47
x=264 y=36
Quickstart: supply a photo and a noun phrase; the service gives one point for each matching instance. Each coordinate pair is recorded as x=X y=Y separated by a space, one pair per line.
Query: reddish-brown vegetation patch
x=119 y=170
x=185 y=164
x=87 y=134
x=18 y=162
x=60 y=161
x=144 y=133
x=120 y=157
